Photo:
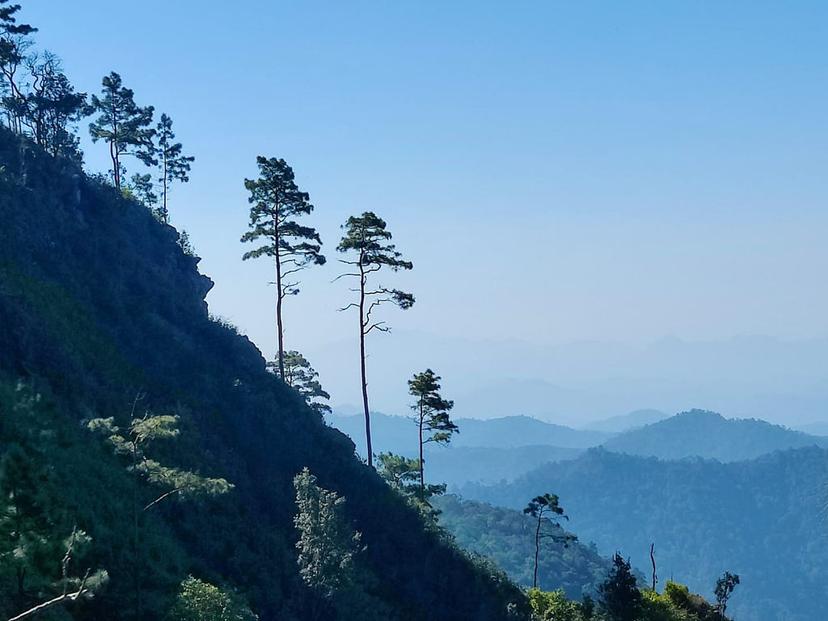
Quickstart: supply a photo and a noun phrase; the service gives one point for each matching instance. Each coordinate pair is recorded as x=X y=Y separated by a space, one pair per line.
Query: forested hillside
x=763 y=519
x=506 y=537
x=698 y=433
x=100 y=304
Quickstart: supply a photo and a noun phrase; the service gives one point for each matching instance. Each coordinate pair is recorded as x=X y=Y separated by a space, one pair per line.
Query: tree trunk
x=422 y=463
x=279 y=296
x=364 y=379
x=537 y=554
x=164 y=213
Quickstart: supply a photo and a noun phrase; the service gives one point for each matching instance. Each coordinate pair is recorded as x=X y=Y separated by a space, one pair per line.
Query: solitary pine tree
x=303 y=378
x=367 y=241
x=172 y=163
x=276 y=201
x=123 y=125
x=619 y=596
x=431 y=413
x=547 y=511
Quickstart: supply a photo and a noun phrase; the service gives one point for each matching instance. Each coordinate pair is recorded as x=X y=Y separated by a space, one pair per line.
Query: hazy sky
x=556 y=171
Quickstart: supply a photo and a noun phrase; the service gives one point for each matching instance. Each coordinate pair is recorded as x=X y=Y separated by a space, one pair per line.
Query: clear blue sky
x=556 y=170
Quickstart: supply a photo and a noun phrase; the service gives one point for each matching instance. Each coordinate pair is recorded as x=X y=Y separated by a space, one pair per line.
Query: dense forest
x=760 y=518
x=153 y=465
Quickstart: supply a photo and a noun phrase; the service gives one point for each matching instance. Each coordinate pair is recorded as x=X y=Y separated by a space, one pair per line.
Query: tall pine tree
x=122 y=124
x=367 y=242
x=276 y=203
x=431 y=414
x=173 y=165
x=546 y=510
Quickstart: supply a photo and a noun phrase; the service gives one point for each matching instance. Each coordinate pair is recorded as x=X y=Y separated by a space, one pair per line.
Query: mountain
x=506 y=537
x=819 y=428
x=458 y=465
x=398 y=434
x=625 y=422
x=763 y=519
x=698 y=433
x=101 y=314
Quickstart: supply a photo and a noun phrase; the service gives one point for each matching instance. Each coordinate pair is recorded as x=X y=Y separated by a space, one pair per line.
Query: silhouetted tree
x=724 y=589
x=141 y=186
x=431 y=413
x=172 y=163
x=13 y=44
x=51 y=106
x=276 y=201
x=619 y=596
x=367 y=240
x=303 y=378
x=123 y=125
x=546 y=509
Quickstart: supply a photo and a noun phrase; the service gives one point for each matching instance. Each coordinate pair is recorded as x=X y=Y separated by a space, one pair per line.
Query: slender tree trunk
x=165 y=214
x=279 y=296
x=537 y=553
x=653 y=561
x=422 y=463
x=364 y=378
x=136 y=563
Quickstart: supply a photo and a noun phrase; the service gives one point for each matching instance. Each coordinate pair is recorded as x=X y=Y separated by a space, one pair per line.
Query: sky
x=559 y=173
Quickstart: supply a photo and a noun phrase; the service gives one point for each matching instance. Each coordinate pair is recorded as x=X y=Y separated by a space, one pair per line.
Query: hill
x=698 y=433
x=626 y=422
x=397 y=433
x=506 y=537
x=763 y=519
x=98 y=304
x=459 y=465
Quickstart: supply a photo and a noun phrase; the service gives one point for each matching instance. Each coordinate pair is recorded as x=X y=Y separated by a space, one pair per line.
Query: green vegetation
x=755 y=518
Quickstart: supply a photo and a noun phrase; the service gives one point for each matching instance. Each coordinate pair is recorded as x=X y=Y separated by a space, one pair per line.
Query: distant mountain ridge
x=700 y=433
x=626 y=422
x=398 y=434
x=763 y=519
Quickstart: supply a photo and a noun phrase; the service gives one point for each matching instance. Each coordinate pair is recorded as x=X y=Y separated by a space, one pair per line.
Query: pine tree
x=122 y=124
x=132 y=443
x=546 y=510
x=52 y=106
x=172 y=164
x=367 y=240
x=431 y=414
x=327 y=544
x=303 y=378
x=13 y=43
x=724 y=589
x=276 y=203
x=141 y=186
x=619 y=596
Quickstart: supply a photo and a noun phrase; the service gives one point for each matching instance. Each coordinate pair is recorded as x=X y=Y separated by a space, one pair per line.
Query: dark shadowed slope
x=98 y=302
